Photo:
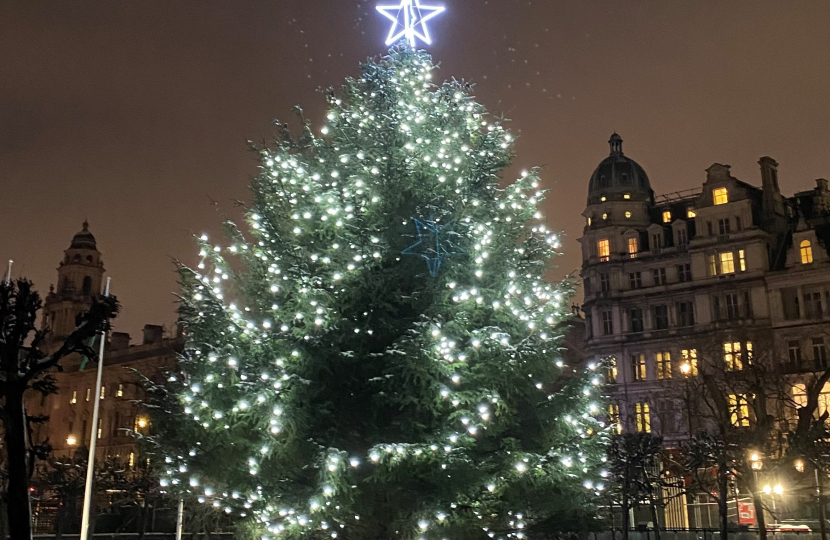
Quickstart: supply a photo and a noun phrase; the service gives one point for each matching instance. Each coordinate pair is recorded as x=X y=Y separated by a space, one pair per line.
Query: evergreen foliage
x=331 y=388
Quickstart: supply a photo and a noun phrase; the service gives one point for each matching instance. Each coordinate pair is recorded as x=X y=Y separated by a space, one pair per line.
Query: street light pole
x=90 y=465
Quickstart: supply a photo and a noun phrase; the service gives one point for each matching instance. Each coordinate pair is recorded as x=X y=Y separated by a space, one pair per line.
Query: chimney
x=153 y=334
x=772 y=201
x=119 y=341
x=821 y=185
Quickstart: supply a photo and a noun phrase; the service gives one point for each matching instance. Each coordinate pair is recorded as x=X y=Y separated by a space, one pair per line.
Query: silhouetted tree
x=24 y=366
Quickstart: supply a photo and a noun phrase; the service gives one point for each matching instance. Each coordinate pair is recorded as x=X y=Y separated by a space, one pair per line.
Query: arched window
x=806 y=252
x=87 y=287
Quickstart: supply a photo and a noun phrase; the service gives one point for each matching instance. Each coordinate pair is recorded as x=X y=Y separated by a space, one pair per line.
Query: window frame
x=720 y=196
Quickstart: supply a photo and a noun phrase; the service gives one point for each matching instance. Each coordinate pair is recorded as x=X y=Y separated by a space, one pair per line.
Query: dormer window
x=624 y=179
x=666 y=216
x=603 y=199
x=690 y=213
x=589 y=222
x=627 y=196
x=806 y=252
x=604 y=216
x=720 y=196
x=628 y=215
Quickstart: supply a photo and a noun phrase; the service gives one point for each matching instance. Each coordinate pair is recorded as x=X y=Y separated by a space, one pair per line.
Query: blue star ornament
x=434 y=244
x=409 y=18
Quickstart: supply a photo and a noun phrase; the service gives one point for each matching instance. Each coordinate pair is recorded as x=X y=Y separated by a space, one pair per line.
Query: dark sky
x=135 y=113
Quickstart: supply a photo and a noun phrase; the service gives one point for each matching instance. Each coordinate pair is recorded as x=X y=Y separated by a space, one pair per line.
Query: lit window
x=739 y=410
x=806 y=252
x=120 y=392
x=628 y=215
x=627 y=196
x=800 y=397
x=642 y=417
x=88 y=392
x=103 y=391
x=612 y=370
x=638 y=366
x=614 y=418
x=720 y=195
x=732 y=356
x=727 y=263
x=604 y=249
x=604 y=216
x=132 y=460
x=742 y=260
x=633 y=248
x=662 y=363
x=666 y=216
x=589 y=222
x=690 y=213
x=603 y=199
x=689 y=365
x=74 y=397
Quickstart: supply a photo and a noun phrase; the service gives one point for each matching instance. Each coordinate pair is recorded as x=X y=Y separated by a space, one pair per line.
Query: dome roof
x=84 y=239
x=618 y=173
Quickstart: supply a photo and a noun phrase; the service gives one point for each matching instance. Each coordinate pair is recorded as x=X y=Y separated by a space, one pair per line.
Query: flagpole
x=93 y=439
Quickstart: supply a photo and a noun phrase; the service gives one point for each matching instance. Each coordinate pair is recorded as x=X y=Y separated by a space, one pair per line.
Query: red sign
x=746 y=513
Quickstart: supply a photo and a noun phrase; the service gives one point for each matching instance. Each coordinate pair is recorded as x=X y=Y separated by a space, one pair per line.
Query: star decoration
x=410 y=15
x=434 y=244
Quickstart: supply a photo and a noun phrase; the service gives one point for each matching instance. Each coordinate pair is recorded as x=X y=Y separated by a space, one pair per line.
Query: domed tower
x=619 y=198
x=80 y=275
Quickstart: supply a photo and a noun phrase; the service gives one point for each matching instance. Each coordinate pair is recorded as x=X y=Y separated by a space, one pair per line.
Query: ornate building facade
x=80 y=278
x=718 y=274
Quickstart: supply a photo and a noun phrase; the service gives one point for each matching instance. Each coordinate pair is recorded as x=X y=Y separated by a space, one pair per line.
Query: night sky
x=135 y=113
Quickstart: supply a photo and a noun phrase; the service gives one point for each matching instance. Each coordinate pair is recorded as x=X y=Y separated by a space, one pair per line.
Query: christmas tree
x=377 y=355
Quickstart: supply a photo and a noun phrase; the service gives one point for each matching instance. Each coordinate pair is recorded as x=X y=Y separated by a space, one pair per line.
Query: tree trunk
x=142 y=519
x=822 y=511
x=760 y=518
x=17 y=448
x=723 y=507
x=59 y=519
x=626 y=516
x=655 y=520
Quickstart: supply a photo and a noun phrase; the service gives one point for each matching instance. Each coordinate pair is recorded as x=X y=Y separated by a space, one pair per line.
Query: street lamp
x=71 y=440
x=755 y=461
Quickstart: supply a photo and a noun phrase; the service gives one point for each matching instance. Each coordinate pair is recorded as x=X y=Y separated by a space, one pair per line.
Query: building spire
x=616 y=144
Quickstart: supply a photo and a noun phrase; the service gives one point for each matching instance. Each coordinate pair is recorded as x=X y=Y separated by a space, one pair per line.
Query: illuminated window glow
x=604 y=249
x=806 y=252
x=720 y=195
x=727 y=263
x=739 y=410
x=614 y=418
x=689 y=365
x=666 y=216
x=633 y=248
x=642 y=418
x=662 y=364
x=690 y=213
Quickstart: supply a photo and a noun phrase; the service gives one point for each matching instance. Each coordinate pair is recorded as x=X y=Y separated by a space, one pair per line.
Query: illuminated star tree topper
x=409 y=18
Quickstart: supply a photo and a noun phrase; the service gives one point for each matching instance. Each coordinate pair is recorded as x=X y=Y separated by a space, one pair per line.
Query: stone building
x=80 y=278
x=668 y=276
